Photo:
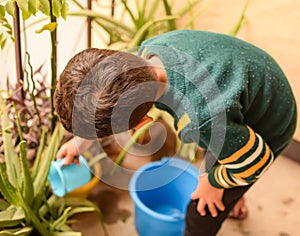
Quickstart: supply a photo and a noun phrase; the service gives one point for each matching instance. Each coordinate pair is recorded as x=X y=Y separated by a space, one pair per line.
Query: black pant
x=197 y=225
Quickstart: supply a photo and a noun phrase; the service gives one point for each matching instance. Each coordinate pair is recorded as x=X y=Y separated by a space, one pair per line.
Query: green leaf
x=12 y=216
x=128 y=10
x=142 y=9
x=38 y=158
x=10 y=9
x=142 y=32
x=66 y=228
x=64 y=9
x=6 y=32
x=50 y=26
x=168 y=11
x=193 y=15
x=15 y=232
x=62 y=219
x=23 y=5
x=185 y=9
x=33 y=218
x=56 y=8
x=33 y=6
x=2 y=11
x=78 y=210
x=3 y=204
x=62 y=206
x=153 y=9
x=49 y=155
x=105 y=21
x=25 y=15
x=241 y=20
x=3 y=43
x=7 y=190
x=51 y=201
x=79 y=202
x=8 y=27
x=11 y=157
x=38 y=201
x=45 y=5
x=27 y=183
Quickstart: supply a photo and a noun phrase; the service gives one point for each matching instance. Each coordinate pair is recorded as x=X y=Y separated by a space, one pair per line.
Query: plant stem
x=155 y=114
x=104 y=21
x=37 y=112
x=50 y=202
x=18 y=53
x=132 y=141
x=142 y=32
x=89 y=25
x=172 y=24
x=53 y=68
x=239 y=24
x=97 y=158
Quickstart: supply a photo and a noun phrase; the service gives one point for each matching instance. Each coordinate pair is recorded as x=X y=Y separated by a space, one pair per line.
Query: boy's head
x=99 y=90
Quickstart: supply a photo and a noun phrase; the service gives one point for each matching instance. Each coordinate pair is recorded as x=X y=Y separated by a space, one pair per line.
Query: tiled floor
x=274 y=204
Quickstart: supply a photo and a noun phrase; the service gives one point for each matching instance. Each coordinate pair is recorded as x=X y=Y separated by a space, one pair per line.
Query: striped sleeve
x=244 y=165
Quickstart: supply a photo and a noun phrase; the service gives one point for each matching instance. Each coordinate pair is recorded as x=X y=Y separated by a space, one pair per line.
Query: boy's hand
x=208 y=195
x=69 y=151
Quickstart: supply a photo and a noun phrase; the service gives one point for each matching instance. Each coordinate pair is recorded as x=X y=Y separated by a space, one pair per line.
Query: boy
x=226 y=95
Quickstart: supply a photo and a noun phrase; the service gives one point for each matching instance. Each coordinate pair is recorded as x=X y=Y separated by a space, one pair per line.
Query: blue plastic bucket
x=161 y=192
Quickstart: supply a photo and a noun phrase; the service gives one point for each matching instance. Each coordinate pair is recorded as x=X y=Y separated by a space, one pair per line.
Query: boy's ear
x=146 y=119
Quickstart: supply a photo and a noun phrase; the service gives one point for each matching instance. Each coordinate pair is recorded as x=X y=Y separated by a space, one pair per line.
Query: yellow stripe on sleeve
x=251 y=171
x=226 y=178
x=216 y=176
x=235 y=156
x=183 y=122
x=251 y=158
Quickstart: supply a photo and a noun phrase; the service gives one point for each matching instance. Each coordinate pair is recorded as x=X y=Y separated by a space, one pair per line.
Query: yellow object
x=183 y=122
x=84 y=190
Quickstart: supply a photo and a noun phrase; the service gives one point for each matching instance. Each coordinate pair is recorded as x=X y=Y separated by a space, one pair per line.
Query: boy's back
x=254 y=89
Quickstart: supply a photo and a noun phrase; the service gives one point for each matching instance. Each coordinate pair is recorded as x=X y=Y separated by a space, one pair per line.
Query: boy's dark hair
x=88 y=92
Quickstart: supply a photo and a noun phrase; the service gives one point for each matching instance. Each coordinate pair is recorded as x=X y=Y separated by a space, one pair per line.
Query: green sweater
x=230 y=97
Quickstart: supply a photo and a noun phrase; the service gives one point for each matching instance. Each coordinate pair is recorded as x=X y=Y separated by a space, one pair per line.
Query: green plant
x=28 y=204
x=52 y=9
x=34 y=111
x=55 y=8
x=136 y=20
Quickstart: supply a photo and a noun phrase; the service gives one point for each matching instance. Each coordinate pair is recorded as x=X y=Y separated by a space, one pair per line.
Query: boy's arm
x=244 y=158
x=242 y=155
x=72 y=149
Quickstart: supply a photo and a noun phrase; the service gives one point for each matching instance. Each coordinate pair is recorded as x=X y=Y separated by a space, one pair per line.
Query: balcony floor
x=273 y=202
